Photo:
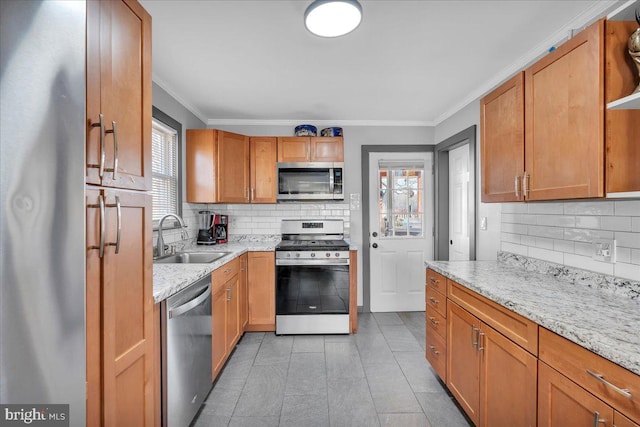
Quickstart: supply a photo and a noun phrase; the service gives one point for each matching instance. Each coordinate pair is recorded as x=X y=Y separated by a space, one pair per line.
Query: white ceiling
x=409 y=63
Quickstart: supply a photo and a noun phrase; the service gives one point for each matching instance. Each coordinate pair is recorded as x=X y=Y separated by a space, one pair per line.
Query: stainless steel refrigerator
x=42 y=152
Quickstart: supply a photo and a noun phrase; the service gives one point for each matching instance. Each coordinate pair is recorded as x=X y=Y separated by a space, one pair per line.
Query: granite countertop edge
x=601 y=320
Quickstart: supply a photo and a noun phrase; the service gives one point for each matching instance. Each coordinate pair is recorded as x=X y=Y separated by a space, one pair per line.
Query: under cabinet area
x=546 y=132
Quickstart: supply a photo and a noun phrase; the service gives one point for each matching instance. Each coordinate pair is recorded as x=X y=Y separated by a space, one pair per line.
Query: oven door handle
x=327 y=262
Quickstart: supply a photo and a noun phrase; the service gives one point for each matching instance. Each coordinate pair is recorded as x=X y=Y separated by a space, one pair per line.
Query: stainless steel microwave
x=310 y=181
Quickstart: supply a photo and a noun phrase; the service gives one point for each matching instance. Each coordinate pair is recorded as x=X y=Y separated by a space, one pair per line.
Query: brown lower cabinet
x=505 y=370
x=261 y=291
x=492 y=378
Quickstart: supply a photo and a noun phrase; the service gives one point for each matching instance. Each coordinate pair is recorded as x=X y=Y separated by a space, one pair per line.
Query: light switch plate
x=354 y=201
x=604 y=250
x=483 y=223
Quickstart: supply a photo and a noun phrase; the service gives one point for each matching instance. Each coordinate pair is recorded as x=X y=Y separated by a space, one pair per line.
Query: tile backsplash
x=258 y=219
x=563 y=232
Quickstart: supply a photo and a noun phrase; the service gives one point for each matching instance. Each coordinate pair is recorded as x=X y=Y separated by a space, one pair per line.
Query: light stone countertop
x=603 y=319
x=169 y=279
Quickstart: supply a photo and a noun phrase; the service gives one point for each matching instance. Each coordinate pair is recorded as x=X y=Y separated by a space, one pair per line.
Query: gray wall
x=487 y=241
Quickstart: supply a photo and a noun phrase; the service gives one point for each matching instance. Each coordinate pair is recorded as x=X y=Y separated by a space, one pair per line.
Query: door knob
x=375 y=245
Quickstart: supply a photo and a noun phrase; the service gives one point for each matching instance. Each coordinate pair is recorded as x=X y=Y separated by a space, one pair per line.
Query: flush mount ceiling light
x=333 y=18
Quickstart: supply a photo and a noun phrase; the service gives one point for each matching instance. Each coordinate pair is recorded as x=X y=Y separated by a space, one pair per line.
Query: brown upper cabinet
x=502 y=127
x=310 y=149
x=225 y=167
x=118 y=95
x=543 y=137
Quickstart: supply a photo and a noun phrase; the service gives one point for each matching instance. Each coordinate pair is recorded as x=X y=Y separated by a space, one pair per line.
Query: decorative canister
x=333 y=131
x=634 y=47
x=306 y=130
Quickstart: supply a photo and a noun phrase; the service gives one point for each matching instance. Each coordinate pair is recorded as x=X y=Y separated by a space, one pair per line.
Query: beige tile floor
x=377 y=377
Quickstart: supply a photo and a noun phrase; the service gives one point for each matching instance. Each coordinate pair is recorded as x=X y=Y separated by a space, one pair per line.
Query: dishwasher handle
x=190 y=305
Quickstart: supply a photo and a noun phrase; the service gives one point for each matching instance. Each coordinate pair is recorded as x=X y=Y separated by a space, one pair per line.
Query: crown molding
x=597 y=11
x=320 y=123
x=167 y=88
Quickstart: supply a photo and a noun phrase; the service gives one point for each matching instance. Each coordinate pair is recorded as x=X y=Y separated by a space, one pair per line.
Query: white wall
x=487 y=241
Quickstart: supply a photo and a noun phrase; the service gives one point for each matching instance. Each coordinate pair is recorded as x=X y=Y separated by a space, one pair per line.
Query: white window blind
x=165 y=170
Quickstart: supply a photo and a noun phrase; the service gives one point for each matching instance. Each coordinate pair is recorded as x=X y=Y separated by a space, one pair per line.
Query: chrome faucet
x=160 y=243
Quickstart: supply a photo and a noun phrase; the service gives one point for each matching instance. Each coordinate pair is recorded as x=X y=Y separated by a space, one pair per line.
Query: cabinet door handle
x=118 y=223
x=434 y=281
x=474 y=335
x=253 y=194
x=229 y=294
x=100 y=164
x=100 y=246
x=480 y=341
x=114 y=131
x=597 y=420
x=433 y=320
x=433 y=350
x=516 y=183
x=525 y=185
x=433 y=300
x=623 y=391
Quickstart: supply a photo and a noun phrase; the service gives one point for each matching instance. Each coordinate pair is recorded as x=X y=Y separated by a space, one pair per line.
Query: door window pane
x=401 y=199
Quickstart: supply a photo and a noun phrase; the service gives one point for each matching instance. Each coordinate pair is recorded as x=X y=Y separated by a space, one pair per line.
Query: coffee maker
x=206 y=231
x=220 y=225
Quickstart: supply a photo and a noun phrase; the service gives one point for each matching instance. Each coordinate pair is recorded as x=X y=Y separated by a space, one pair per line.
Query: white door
x=401 y=224
x=458 y=204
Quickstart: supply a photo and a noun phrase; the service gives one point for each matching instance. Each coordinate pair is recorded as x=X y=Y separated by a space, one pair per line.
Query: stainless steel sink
x=191 y=258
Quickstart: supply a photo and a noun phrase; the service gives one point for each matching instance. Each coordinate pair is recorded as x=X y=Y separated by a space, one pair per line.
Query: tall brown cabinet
x=119 y=302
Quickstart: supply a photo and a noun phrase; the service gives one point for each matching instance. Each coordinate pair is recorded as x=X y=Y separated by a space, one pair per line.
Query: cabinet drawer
x=436 y=301
x=437 y=281
x=222 y=274
x=574 y=361
x=518 y=329
x=436 y=322
x=620 y=420
x=436 y=353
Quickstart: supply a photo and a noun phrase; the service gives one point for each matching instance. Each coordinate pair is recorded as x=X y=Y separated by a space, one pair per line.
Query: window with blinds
x=165 y=172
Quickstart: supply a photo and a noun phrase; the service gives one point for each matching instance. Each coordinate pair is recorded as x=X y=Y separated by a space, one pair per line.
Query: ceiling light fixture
x=333 y=18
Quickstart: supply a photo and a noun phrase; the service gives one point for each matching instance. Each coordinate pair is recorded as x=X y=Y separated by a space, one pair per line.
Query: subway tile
x=529 y=219
x=583 y=221
x=512 y=238
x=544 y=243
x=585 y=249
x=511 y=218
x=627 y=271
x=514 y=208
x=628 y=240
x=635 y=256
x=557 y=220
x=623 y=255
x=628 y=207
x=616 y=223
x=587 y=263
x=545 y=208
x=528 y=240
x=563 y=246
x=514 y=228
x=635 y=224
x=589 y=208
x=513 y=248
x=547 y=255
x=584 y=235
x=545 y=231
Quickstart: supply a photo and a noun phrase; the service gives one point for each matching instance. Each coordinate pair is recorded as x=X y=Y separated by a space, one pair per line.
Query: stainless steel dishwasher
x=186 y=353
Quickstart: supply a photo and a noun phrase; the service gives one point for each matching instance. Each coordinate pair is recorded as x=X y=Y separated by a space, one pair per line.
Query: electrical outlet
x=604 y=250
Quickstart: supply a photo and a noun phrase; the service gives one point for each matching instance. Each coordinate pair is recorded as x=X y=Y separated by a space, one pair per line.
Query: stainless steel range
x=312 y=278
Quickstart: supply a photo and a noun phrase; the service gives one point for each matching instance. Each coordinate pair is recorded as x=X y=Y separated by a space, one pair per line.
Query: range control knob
x=328 y=254
x=337 y=254
x=313 y=254
x=297 y=255
x=288 y=255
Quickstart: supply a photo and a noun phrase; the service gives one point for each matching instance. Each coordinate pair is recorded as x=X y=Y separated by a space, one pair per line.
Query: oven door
x=312 y=297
